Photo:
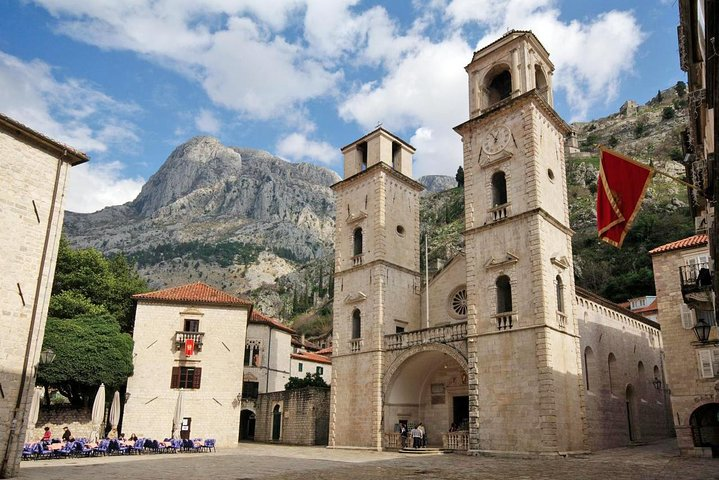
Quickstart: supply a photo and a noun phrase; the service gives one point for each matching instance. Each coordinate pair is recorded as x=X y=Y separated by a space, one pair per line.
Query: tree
x=459 y=176
x=667 y=113
x=93 y=279
x=681 y=88
x=310 y=380
x=90 y=350
x=613 y=141
x=658 y=98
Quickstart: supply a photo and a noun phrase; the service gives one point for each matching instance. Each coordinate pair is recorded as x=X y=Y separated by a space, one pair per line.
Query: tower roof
x=509 y=37
x=372 y=133
x=198 y=293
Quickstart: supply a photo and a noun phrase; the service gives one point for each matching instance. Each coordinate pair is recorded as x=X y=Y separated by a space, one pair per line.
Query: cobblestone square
x=253 y=461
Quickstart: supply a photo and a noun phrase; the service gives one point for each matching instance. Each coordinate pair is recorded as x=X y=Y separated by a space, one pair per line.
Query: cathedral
x=500 y=343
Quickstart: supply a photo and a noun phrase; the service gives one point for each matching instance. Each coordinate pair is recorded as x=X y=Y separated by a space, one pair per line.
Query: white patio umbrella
x=98 y=413
x=34 y=412
x=114 y=415
x=177 y=421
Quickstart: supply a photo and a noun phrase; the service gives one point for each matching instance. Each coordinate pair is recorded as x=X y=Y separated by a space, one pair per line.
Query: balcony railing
x=355 y=345
x=181 y=336
x=443 y=334
x=356 y=260
x=561 y=320
x=499 y=212
x=505 y=321
x=696 y=283
x=456 y=440
x=393 y=440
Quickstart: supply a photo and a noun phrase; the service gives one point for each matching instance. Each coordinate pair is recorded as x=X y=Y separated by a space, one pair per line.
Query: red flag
x=621 y=187
x=189 y=347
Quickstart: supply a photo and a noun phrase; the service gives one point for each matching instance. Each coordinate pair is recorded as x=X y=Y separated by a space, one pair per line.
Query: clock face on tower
x=496 y=139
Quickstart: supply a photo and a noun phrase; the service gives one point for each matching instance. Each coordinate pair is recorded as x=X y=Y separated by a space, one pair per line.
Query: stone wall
x=79 y=421
x=305 y=416
x=31 y=214
x=611 y=387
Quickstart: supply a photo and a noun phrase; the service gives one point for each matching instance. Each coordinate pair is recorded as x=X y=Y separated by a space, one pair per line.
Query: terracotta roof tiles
x=311 y=357
x=199 y=293
x=260 y=318
x=693 y=241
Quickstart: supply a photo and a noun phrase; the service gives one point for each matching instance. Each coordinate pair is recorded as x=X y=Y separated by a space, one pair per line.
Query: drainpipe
x=33 y=320
x=269 y=352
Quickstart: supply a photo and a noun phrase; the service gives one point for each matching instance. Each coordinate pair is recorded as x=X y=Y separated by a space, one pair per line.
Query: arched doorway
x=276 y=423
x=430 y=387
x=247 y=425
x=705 y=427
x=632 y=414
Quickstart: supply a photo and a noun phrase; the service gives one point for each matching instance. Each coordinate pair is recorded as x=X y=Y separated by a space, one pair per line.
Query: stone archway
x=704 y=422
x=426 y=384
x=247 y=425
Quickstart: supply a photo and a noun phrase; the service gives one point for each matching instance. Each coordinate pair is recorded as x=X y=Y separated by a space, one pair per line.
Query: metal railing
x=456 y=440
x=443 y=334
x=696 y=275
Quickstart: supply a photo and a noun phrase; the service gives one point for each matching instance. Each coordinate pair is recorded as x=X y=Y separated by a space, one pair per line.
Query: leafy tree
x=681 y=88
x=667 y=113
x=89 y=350
x=459 y=176
x=640 y=127
x=310 y=380
x=613 y=141
x=94 y=279
x=658 y=98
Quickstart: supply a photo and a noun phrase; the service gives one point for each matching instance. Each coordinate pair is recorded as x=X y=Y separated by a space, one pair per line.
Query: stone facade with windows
x=304 y=363
x=188 y=355
x=692 y=367
x=499 y=349
x=35 y=170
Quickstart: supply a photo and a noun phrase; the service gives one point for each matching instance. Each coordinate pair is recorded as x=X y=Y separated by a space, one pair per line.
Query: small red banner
x=189 y=347
x=621 y=187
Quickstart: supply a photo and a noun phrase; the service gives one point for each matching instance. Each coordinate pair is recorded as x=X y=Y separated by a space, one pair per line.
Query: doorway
x=460 y=412
x=276 y=423
x=185 y=428
x=247 y=425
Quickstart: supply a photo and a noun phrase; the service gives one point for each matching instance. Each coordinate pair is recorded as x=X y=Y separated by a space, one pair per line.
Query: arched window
x=362 y=155
x=641 y=379
x=499 y=86
x=357 y=237
x=588 y=364
x=541 y=82
x=611 y=361
x=560 y=294
x=499 y=189
x=276 y=423
x=356 y=324
x=504 y=294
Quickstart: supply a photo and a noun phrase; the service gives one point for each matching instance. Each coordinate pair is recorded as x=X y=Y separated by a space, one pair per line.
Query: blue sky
x=127 y=81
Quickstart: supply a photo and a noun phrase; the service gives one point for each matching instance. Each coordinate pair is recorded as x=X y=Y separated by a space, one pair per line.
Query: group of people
x=67 y=436
x=417 y=433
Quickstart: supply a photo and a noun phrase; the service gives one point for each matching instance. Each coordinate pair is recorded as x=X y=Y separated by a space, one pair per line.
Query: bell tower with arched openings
x=525 y=373
x=377 y=280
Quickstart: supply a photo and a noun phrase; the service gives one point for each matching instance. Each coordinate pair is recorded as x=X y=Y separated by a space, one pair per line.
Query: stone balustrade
x=443 y=334
x=456 y=440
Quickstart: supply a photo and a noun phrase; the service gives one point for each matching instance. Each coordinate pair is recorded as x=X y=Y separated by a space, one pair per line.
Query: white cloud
x=297 y=147
x=207 y=122
x=590 y=57
x=93 y=186
x=425 y=93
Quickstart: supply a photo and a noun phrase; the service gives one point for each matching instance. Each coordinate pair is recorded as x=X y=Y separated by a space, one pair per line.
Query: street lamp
x=702 y=329
x=47 y=356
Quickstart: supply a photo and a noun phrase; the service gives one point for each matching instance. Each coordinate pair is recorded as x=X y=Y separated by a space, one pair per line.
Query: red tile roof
x=693 y=241
x=260 y=318
x=304 y=343
x=652 y=307
x=193 y=293
x=311 y=357
x=325 y=351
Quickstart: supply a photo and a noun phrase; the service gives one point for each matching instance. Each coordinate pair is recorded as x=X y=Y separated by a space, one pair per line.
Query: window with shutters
x=299 y=367
x=320 y=370
x=186 y=377
x=687 y=316
x=708 y=362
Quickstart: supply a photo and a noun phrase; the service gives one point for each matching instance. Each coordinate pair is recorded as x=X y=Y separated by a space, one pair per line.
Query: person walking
x=423 y=433
x=416 y=437
x=403 y=434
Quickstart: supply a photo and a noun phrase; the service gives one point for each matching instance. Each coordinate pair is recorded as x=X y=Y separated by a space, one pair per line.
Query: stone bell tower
x=377 y=280
x=525 y=374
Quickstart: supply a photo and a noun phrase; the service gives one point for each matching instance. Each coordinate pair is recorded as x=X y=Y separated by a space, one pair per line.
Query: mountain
x=235 y=217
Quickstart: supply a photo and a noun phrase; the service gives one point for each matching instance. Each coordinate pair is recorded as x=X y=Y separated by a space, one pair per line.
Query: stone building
x=685 y=298
x=501 y=352
x=295 y=417
x=303 y=363
x=34 y=174
x=188 y=363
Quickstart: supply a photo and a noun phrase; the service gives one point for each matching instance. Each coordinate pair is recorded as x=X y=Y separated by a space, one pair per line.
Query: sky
x=126 y=81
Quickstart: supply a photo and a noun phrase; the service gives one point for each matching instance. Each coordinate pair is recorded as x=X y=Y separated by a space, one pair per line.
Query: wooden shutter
x=688 y=316
x=175 y=379
x=196 y=377
x=706 y=363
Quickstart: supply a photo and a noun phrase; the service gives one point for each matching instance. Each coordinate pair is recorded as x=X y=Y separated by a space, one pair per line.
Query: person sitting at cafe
x=66 y=434
x=47 y=436
x=133 y=437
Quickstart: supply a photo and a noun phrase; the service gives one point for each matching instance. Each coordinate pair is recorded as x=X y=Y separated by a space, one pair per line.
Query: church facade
x=509 y=350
